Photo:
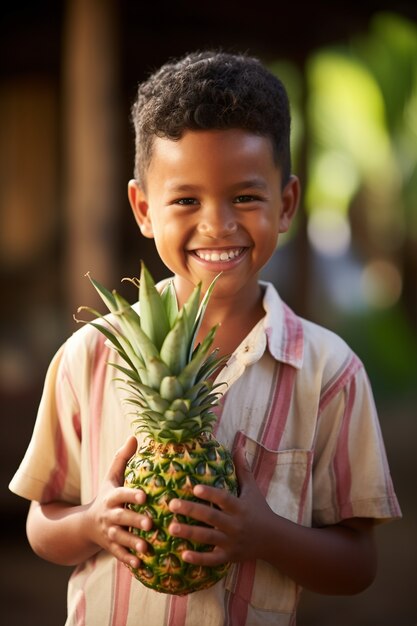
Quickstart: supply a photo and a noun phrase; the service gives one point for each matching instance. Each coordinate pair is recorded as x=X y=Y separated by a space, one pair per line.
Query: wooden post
x=91 y=145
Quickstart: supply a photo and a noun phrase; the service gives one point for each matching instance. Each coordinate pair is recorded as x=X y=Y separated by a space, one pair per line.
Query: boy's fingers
x=120 y=460
x=120 y=496
x=209 y=559
x=128 y=540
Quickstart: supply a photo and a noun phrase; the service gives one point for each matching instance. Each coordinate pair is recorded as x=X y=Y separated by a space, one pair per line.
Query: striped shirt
x=299 y=401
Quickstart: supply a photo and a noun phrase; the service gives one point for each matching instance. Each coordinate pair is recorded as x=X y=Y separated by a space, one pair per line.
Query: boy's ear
x=290 y=200
x=140 y=208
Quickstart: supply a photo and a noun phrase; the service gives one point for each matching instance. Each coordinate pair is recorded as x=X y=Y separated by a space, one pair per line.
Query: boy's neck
x=235 y=316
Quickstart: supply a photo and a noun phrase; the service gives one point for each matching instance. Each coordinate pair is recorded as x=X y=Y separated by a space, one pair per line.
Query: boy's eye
x=186 y=201
x=244 y=198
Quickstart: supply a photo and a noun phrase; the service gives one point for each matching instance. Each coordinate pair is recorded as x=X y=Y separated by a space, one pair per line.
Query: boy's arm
x=69 y=534
x=339 y=559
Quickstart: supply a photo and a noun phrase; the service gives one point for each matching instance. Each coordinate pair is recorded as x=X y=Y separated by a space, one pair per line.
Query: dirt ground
x=33 y=591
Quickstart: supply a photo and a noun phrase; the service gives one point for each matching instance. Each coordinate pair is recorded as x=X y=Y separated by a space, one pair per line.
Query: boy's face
x=214 y=203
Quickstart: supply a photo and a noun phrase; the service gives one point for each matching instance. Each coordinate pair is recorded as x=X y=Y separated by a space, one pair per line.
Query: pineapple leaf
x=201 y=390
x=135 y=402
x=189 y=374
x=131 y=323
x=199 y=410
x=150 y=416
x=156 y=370
x=174 y=349
x=137 y=345
x=130 y=372
x=153 y=315
x=134 y=281
x=181 y=404
x=171 y=435
x=170 y=388
x=202 y=309
x=169 y=298
x=120 y=343
x=211 y=364
x=191 y=308
x=104 y=294
x=151 y=397
x=174 y=419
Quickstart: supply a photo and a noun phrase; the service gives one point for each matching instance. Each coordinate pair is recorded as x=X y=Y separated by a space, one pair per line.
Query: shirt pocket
x=284 y=477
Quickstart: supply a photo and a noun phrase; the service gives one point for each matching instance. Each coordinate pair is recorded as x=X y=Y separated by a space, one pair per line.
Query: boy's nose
x=217 y=222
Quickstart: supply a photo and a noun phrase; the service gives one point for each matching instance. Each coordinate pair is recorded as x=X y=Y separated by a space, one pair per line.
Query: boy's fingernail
x=174 y=505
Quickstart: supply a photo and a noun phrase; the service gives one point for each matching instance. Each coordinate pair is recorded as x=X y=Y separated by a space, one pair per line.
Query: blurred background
x=68 y=77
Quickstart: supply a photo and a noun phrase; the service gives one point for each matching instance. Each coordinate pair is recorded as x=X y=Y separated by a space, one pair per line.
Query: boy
x=213 y=188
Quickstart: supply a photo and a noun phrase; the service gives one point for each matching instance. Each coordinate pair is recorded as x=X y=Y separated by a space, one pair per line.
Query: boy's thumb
x=121 y=458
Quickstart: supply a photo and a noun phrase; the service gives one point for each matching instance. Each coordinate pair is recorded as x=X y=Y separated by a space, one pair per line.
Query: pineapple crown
x=167 y=378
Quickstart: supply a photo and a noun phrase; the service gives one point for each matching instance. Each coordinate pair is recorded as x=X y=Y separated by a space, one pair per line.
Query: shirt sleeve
x=351 y=477
x=50 y=468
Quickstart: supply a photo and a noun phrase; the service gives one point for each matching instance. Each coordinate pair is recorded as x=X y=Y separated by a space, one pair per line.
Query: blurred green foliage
x=384 y=340
x=354 y=139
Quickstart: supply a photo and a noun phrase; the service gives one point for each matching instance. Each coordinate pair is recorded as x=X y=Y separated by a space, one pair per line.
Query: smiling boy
x=213 y=187
x=214 y=201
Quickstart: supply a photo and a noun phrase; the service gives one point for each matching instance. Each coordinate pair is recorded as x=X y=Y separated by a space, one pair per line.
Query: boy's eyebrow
x=253 y=183
x=185 y=187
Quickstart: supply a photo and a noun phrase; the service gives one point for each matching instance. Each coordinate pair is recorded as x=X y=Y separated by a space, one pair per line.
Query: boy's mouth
x=215 y=256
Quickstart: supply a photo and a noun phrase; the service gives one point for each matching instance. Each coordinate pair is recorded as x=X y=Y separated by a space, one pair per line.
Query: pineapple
x=170 y=387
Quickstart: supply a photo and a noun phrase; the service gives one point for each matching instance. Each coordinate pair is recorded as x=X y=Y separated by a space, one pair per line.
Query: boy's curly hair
x=211 y=90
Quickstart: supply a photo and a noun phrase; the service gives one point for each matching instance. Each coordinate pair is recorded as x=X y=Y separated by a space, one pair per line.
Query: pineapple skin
x=170 y=470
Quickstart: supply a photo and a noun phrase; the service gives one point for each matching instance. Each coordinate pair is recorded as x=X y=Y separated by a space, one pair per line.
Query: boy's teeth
x=215 y=255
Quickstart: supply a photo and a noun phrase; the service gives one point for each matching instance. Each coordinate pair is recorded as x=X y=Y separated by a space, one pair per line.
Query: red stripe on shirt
x=80 y=601
x=177 y=612
x=340 y=379
x=56 y=483
x=279 y=408
x=80 y=608
x=304 y=489
x=76 y=423
x=341 y=463
x=238 y=605
x=293 y=336
x=121 y=595
x=98 y=380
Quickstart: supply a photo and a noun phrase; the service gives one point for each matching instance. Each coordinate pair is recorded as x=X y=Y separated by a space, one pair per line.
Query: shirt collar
x=283 y=329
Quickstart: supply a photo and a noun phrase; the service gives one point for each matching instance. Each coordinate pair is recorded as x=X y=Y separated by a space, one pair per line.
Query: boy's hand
x=234 y=525
x=110 y=519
